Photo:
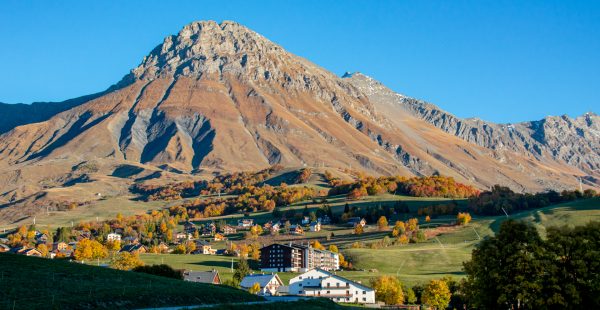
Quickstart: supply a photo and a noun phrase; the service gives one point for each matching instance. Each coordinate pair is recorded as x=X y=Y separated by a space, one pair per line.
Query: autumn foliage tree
x=436 y=294
x=126 y=261
x=463 y=218
x=388 y=289
x=317 y=245
x=90 y=249
x=254 y=289
x=359 y=229
x=382 y=223
x=399 y=229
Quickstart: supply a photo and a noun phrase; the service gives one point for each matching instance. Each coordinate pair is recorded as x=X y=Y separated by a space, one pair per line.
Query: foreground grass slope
x=36 y=283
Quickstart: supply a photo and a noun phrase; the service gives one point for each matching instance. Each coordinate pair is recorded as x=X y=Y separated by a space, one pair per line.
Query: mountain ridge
x=220 y=97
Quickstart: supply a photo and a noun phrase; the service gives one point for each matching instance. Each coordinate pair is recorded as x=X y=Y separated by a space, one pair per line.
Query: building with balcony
x=296 y=258
x=321 y=283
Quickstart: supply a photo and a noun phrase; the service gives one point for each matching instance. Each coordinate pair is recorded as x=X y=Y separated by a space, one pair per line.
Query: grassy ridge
x=444 y=255
x=37 y=283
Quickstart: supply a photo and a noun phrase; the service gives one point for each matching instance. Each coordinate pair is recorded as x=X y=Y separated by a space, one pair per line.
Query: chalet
x=134 y=248
x=245 y=223
x=205 y=249
x=189 y=227
x=82 y=234
x=207 y=231
x=61 y=253
x=113 y=237
x=41 y=237
x=315 y=226
x=317 y=282
x=228 y=230
x=163 y=248
x=296 y=230
x=60 y=246
x=209 y=277
x=275 y=228
x=354 y=221
x=220 y=237
x=26 y=251
x=4 y=248
x=268 y=225
x=131 y=240
x=183 y=236
x=200 y=243
x=269 y=283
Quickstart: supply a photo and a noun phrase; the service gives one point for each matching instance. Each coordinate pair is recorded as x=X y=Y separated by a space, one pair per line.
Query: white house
x=269 y=283
x=315 y=226
x=320 y=283
x=245 y=223
x=113 y=237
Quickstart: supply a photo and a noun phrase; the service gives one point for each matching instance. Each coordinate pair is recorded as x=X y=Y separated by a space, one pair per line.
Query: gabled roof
x=332 y=275
x=201 y=276
x=131 y=247
x=261 y=279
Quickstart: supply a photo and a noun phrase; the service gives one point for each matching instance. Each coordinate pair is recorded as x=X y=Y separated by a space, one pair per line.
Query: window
x=337 y=284
x=364 y=292
x=300 y=284
x=328 y=292
x=364 y=299
x=300 y=277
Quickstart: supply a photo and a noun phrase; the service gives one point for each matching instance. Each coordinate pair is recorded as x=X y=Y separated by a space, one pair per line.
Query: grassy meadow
x=38 y=283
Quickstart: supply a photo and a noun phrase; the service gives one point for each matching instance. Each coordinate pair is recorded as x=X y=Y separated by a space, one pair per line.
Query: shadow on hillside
x=126 y=171
x=222 y=264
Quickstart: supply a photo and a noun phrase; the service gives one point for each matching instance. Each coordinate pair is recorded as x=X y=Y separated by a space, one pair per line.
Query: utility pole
x=34 y=220
x=505 y=212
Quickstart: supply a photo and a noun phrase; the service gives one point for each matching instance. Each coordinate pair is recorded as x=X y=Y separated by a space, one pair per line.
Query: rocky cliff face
x=220 y=97
x=573 y=141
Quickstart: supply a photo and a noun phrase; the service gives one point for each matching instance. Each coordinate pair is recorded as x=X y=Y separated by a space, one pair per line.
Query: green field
x=38 y=283
x=444 y=255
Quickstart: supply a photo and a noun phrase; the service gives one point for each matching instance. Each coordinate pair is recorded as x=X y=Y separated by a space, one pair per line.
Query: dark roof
x=201 y=276
x=131 y=247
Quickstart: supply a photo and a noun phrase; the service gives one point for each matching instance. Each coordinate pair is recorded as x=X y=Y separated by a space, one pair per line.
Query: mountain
x=220 y=97
x=574 y=141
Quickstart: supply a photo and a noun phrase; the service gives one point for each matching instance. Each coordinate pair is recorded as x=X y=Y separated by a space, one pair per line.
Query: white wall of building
x=320 y=283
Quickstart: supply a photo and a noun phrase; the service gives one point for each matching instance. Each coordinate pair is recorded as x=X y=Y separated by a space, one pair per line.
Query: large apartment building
x=296 y=258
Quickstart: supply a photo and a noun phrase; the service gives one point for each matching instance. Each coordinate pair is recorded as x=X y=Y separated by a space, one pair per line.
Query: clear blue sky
x=504 y=61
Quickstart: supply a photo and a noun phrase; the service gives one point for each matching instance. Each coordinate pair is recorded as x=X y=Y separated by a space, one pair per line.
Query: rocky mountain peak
x=206 y=47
